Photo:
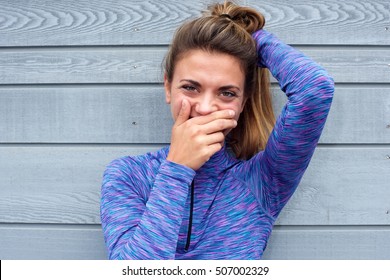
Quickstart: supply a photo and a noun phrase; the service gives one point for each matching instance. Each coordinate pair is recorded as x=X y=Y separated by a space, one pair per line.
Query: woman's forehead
x=216 y=67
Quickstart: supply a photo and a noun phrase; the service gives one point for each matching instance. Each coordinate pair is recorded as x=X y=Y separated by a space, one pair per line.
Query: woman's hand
x=195 y=140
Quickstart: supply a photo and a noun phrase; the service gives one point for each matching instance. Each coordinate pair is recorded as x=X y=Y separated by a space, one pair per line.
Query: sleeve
x=277 y=171
x=141 y=225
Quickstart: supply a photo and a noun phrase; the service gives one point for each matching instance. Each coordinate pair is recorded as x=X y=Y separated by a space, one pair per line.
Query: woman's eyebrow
x=230 y=87
x=195 y=83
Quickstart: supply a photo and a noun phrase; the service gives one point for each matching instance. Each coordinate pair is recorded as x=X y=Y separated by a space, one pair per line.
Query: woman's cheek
x=176 y=107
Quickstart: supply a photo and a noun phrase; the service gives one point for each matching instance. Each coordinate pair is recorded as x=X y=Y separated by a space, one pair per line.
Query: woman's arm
x=309 y=88
x=138 y=224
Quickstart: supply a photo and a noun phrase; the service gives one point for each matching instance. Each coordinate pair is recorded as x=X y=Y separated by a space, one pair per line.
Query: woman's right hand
x=195 y=140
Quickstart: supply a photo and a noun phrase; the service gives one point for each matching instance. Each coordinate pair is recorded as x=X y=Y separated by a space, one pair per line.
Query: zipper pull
x=191 y=215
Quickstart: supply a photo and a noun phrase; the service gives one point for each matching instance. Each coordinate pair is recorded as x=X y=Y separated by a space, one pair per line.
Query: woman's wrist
x=174 y=169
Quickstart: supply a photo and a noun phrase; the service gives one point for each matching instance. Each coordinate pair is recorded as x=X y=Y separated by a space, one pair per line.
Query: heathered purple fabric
x=145 y=199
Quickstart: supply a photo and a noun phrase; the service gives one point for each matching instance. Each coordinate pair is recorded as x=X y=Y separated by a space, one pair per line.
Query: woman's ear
x=167 y=86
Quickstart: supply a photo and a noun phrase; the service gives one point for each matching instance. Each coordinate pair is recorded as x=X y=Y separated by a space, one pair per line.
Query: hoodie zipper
x=190 y=220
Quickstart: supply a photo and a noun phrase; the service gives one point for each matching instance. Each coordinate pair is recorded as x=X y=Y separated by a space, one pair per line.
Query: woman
x=217 y=190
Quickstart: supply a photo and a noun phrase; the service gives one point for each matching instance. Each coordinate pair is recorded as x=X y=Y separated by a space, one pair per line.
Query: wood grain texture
x=344 y=22
x=329 y=244
x=55 y=242
x=85 y=115
x=86 y=242
x=82 y=22
x=342 y=186
x=85 y=78
x=61 y=184
x=144 y=65
x=359 y=115
x=138 y=114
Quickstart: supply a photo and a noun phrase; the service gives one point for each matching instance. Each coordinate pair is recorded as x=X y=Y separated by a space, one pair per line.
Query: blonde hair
x=227 y=28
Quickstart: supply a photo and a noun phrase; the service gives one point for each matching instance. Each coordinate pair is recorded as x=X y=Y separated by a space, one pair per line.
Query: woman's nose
x=205 y=105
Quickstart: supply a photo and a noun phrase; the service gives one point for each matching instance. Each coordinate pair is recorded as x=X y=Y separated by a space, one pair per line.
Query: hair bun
x=248 y=18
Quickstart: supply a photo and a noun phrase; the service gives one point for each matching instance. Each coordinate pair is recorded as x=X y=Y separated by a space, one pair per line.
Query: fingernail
x=232 y=113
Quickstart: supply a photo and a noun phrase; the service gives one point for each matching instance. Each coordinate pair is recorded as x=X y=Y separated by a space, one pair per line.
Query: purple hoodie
x=152 y=208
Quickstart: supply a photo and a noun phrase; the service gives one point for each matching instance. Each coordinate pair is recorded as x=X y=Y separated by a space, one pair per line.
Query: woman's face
x=209 y=81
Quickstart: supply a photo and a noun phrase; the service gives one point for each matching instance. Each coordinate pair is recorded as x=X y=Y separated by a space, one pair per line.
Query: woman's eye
x=189 y=88
x=228 y=94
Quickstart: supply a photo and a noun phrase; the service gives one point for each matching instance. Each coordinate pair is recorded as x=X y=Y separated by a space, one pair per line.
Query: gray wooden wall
x=80 y=85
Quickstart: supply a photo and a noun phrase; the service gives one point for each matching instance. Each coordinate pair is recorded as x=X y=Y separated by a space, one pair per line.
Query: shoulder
x=136 y=167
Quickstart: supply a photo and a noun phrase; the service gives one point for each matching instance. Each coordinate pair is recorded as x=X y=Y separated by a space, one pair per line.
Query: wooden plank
x=328 y=22
x=342 y=186
x=359 y=115
x=61 y=184
x=81 y=242
x=136 y=22
x=139 y=115
x=143 y=65
x=42 y=242
x=84 y=115
x=329 y=244
x=56 y=184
